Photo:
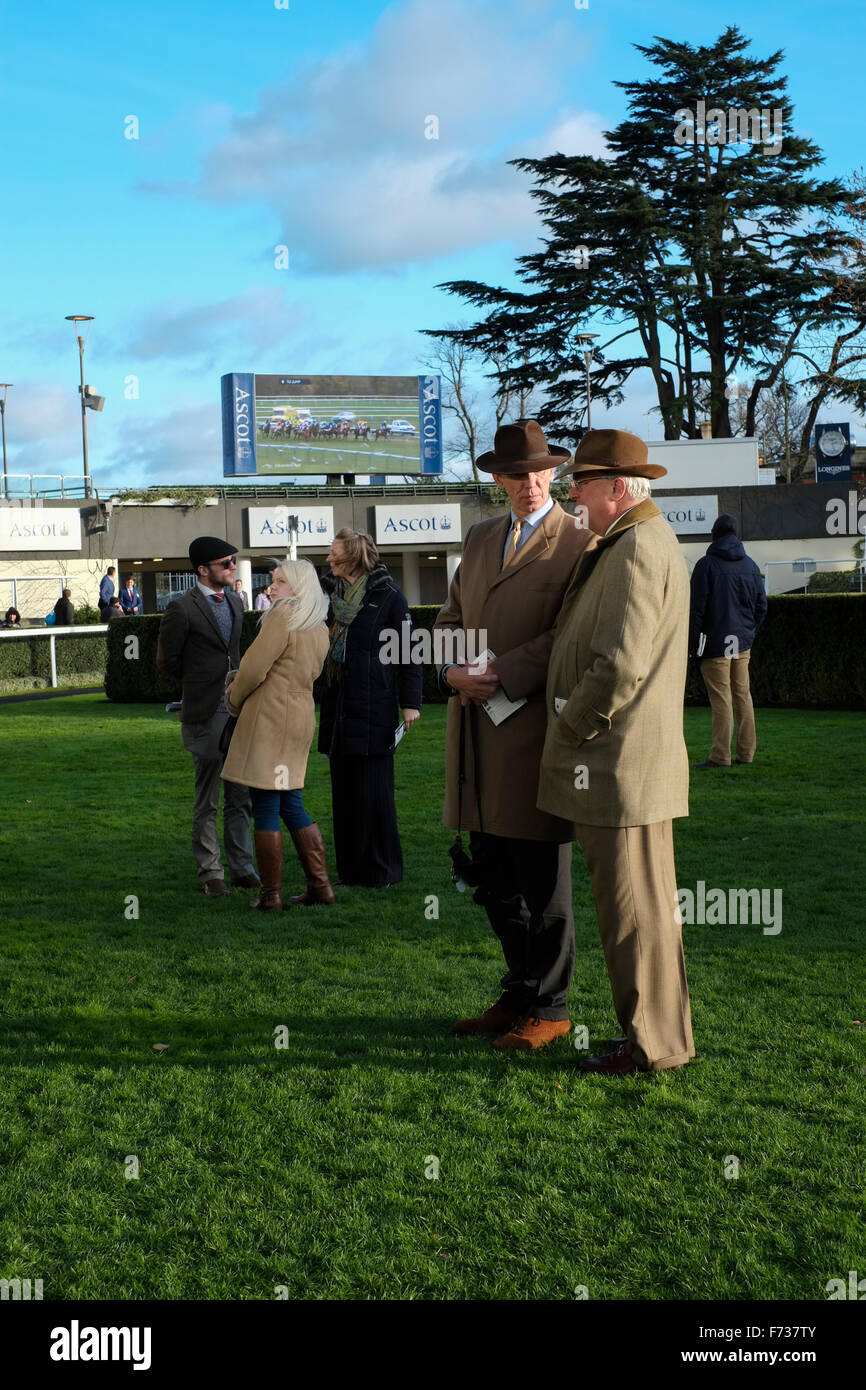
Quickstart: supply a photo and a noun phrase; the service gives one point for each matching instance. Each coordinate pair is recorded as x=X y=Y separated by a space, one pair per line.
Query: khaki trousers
x=634 y=884
x=727 y=682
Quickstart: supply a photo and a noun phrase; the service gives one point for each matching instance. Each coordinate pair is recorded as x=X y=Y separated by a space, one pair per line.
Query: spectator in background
x=263 y=600
x=130 y=598
x=64 y=613
x=363 y=701
x=728 y=606
x=272 y=697
x=12 y=619
x=106 y=588
x=113 y=610
x=241 y=593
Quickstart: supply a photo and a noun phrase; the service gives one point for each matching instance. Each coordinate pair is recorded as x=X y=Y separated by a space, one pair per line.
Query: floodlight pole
x=4 y=387
x=586 y=341
x=76 y=319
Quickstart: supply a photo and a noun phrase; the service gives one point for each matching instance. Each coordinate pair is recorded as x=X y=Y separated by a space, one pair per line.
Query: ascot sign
x=269 y=526
x=689 y=516
x=40 y=528
x=418 y=525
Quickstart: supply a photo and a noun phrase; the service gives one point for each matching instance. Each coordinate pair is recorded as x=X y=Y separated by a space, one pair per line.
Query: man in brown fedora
x=615 y=760
x=510 y=584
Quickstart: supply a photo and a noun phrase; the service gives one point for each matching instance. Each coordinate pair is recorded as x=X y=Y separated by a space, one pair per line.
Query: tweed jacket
x=517 y=608
x=191 y=647
x=615 y=754
x=273 y=696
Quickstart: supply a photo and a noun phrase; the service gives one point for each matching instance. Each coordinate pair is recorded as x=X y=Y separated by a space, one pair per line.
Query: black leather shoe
x=215 y=888
x=738 y=762
x=709 y=763
x=248 y=881
x=617 y=1063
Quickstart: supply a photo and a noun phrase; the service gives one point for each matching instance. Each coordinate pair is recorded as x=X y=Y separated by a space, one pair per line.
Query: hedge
x=28 y=659
x=810 y=653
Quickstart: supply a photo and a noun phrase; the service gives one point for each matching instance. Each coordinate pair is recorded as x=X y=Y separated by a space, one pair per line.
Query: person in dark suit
x=130 y=598
x=728 y=606
x=199 y=644
x=364 y=698
x=64 y=613
x=106 y=588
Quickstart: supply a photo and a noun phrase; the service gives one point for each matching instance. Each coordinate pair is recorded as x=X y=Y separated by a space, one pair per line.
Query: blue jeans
x=269 y=806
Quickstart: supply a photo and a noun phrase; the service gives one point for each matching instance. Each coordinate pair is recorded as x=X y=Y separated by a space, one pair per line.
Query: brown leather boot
x=269 y=858
x=311 y=852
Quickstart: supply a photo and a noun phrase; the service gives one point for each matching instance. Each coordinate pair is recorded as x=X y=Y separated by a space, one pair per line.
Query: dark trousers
x=366 y=840
x=526 y=892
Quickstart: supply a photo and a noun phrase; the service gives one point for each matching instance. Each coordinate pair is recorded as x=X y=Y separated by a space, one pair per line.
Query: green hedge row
x=30 y=656
x=810 y=653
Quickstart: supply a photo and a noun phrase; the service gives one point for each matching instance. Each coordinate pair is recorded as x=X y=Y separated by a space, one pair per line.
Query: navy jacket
x=106 y=591
x=128 y=600
x=728 y=600
x=360 y=713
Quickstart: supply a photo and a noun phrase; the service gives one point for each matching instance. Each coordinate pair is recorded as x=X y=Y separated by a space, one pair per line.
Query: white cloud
x=184 y=446
x=339 y=151
x=251 y=323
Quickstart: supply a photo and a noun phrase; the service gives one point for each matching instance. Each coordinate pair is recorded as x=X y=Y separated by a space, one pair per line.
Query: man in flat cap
x=505 y=595
x=615 y=760
x=199 y=643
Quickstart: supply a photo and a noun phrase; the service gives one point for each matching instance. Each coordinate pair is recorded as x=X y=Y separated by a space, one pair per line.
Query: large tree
x=704 y=242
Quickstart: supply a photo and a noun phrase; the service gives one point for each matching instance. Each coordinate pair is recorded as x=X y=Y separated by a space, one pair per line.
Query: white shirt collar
x=618 y=519
x=534 y=517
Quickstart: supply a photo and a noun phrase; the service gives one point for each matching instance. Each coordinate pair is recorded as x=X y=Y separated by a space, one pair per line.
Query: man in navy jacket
x=728 y=606
x=130 y=598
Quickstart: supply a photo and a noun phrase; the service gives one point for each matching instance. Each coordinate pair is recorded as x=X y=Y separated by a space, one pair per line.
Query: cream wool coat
x=517 y=607
x=273 y=697
x=619 y=664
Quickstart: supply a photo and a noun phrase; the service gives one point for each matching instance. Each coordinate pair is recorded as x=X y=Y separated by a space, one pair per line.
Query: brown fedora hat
x=521 y=448
x=606 y=453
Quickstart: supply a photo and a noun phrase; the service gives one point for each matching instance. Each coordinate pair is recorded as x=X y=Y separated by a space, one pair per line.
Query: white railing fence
x=52 y=633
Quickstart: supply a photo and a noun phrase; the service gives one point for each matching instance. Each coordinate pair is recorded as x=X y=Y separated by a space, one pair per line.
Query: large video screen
x=285 y=425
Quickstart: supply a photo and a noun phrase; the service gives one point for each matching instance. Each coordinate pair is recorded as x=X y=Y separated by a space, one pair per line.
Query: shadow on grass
x=120 y=1041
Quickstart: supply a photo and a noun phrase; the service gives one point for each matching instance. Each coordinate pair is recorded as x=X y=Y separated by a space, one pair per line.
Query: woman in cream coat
x=272 y=695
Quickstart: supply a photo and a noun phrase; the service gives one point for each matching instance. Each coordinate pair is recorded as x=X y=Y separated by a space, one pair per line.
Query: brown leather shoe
x=530 y=1033
x=215 y=888
x=496 y=1019
x=269 y=858
x=617 y=1063
x=311 y=852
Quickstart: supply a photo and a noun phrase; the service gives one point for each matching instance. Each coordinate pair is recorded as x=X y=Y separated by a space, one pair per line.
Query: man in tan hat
x=615 y=760
x=505 y=596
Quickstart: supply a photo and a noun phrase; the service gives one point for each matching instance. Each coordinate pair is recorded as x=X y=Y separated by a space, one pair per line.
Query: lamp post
x=586 y=341
x=4 y=387
x=77 y=319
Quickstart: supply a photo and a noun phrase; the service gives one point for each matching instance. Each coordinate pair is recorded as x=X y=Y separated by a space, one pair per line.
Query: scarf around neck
x=346 y=602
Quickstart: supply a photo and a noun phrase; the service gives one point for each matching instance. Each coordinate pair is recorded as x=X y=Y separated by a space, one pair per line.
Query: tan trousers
x=727 y=682
x=634 y=884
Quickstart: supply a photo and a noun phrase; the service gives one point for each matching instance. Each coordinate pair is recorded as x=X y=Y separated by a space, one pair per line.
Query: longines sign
x=418 y=525
x=269 y=526
x=40 y=528
x=689 y=516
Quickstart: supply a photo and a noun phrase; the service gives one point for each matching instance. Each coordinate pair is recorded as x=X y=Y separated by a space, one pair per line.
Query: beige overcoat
x=615 y=755
x=273 y=696
x=517 y=607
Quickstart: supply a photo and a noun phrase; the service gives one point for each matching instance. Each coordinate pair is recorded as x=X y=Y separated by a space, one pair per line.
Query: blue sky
x=261 y=126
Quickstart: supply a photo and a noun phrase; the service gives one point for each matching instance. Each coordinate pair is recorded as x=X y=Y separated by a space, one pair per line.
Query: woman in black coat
x=364 y=699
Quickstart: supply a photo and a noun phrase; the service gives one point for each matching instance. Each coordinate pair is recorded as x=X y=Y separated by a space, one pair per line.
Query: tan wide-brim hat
x=521 y=448
x=609 y=453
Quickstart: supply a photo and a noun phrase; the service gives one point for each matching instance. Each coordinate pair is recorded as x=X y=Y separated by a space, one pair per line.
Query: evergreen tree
x=703 y=240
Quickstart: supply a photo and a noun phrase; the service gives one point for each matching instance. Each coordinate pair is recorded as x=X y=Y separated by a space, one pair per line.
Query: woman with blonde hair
x=272 y=697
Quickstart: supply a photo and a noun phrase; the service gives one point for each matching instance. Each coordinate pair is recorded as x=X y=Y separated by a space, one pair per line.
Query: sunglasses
x=227 y=564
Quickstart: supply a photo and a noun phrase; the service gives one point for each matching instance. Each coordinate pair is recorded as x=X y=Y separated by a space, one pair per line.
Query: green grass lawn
x=307 y=1166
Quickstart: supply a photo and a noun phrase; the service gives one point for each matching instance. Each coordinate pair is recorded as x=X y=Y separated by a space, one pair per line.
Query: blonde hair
x=307 y=606
x=360 y=548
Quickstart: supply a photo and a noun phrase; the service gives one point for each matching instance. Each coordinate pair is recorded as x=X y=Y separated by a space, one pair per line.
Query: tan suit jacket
x=517 y=607
x=615 y=755
x=273 y=695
